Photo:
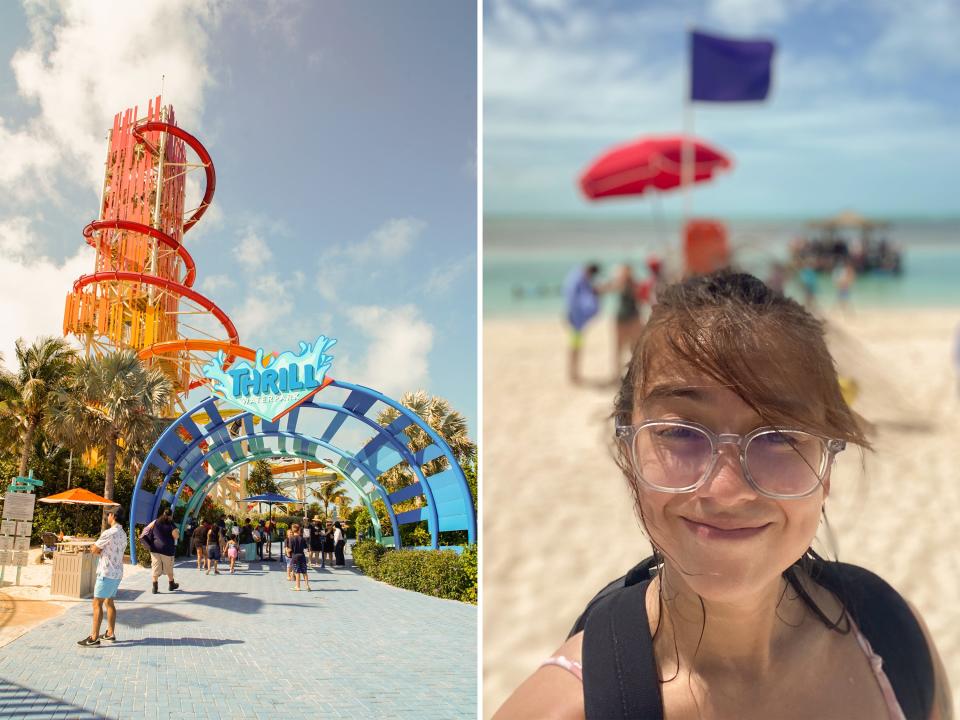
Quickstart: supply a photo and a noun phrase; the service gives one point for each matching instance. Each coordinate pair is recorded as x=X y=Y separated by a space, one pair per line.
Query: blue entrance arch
x=202 y=446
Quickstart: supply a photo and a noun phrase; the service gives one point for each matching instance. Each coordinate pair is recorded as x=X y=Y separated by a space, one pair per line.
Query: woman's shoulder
x=554 y=691
x=894 y=630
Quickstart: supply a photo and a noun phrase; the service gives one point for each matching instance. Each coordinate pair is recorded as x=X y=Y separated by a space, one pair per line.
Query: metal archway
x=202 y=446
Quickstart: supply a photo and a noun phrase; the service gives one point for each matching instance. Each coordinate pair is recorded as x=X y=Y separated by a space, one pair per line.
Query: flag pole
x=686 y=147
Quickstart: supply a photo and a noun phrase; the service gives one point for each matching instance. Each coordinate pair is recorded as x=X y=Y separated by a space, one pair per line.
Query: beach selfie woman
x=728 y=422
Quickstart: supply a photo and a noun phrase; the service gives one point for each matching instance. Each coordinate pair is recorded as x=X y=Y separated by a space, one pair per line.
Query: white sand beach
x=558 y=519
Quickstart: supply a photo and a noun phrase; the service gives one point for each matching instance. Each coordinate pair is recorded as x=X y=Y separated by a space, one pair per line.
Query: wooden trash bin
x=74 y=574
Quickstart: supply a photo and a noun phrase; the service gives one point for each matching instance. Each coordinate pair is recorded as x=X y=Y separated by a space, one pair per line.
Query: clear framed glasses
x=677 y=456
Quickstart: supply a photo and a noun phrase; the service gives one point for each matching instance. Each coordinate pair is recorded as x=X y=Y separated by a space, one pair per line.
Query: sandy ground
x=558 y=521
x=29 y=604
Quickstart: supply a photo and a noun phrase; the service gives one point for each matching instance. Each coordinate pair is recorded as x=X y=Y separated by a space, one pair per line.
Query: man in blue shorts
x=110 y=548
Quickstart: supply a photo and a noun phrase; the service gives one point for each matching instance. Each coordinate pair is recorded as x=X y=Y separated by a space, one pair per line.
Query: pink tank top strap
x=876 y=664
x=571 y=666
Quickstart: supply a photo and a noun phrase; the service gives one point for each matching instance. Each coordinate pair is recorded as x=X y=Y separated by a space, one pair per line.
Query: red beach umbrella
x=649 y=163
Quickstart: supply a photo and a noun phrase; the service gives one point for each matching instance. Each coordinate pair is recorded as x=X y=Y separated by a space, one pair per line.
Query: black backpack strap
x=620 y=677
x=892 y=630
x=641 y=572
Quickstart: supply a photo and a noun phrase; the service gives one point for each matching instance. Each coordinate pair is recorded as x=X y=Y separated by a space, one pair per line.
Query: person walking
x=339 y=540
x=160 y=537
x=328 y=544
x=109 y=547
x=268 y=530
x=296 y=548
x=316 y=542
x=213 y=548
x=198 y=543
x=258 y=538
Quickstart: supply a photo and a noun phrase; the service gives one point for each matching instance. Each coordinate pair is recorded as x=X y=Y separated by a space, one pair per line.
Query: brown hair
x=765 y=347
x=295 y=528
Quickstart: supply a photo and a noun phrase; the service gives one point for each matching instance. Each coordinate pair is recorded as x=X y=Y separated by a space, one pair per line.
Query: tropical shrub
x=441 y=573
x=367 y=554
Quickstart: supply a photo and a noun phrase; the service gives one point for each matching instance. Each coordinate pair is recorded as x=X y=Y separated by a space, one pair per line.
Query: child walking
x=296 y=551
x=233 y=550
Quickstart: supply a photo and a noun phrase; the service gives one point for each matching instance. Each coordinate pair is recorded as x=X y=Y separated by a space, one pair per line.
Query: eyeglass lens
x=781 y=463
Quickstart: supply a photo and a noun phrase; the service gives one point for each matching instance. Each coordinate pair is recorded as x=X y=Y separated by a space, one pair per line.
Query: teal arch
x=202 y=453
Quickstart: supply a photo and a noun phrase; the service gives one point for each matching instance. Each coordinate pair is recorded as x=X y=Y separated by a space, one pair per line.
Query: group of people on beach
x=582 y=293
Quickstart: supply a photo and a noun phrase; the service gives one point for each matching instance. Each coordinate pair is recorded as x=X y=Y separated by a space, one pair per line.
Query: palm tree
x=260 y=481
x=446 y=422
x=331 y=492
x=111 y=403
x=25 y=394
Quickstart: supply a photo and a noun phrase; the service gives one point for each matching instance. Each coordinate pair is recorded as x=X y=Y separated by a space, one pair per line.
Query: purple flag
x=724 y=70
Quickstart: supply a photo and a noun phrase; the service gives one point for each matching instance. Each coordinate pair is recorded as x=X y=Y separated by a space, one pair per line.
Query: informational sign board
x=17 y=523
x=19 y=506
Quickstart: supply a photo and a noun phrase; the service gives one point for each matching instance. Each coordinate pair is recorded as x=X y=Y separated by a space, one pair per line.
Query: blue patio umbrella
x=271 y=499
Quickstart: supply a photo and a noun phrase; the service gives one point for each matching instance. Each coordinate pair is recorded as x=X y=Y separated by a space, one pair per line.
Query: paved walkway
x=245 y=646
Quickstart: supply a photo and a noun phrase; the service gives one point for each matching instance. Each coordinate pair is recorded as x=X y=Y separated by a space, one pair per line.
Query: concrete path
x=246 y=646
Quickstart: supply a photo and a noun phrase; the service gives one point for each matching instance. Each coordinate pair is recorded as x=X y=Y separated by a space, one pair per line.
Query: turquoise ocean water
x=525 y=260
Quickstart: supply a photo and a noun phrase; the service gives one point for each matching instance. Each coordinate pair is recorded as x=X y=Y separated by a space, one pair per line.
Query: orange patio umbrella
x=78 y=496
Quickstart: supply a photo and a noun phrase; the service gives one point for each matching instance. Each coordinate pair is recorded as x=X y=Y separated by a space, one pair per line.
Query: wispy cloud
x=213 y=283
x=389 y=241
x=80 y=71
x=36 y=286
x=399 y=343
x=563 y=81
x=443 y=277
x=252 y=251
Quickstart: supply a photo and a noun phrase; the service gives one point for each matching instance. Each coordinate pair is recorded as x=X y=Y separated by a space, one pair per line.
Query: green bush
x=441 y=573
x=367 y=554
x=468 y=558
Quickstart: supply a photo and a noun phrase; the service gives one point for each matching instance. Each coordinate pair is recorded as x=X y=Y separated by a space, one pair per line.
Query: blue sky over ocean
x=862 y=113
x=344 y=139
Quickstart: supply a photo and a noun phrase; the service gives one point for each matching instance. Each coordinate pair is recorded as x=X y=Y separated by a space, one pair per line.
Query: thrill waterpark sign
x=272 y=385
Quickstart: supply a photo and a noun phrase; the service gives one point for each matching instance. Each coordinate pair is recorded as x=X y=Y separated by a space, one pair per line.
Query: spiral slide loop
x=141 y=293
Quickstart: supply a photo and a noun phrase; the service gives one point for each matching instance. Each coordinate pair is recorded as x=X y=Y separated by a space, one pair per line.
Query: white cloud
x=392 y=240
x=916 y=36
x=747 y=16
x=212 y=283
x=253 y=252
x=16 y=235
x=26 y=153
x=267 y=301
x=442 y=277
x=551 y=106
x=36 y=288
x=389 y=241
x=88 y=61
x=397 y=353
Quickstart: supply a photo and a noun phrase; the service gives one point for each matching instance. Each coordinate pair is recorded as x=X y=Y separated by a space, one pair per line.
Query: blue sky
x=863 y=111
x=344 y=139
